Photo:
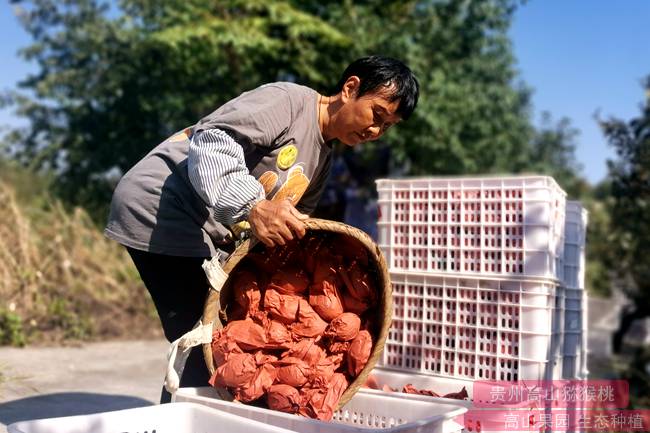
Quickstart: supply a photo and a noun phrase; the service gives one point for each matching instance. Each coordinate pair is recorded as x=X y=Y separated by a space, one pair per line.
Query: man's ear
x=350 y=88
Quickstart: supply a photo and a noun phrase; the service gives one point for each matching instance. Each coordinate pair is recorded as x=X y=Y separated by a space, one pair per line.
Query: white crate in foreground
x=167 y=418
x=488 y=225
x=442 y=386
x=472 y=328
x=364 y=413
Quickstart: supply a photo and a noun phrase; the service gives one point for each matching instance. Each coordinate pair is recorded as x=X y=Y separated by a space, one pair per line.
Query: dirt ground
x=46 y=382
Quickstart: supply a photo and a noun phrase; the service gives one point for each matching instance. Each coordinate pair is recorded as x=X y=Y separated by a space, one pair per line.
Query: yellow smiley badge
x=287 y=157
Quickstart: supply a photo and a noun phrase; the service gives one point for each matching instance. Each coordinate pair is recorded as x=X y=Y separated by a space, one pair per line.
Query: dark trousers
x=178 y=287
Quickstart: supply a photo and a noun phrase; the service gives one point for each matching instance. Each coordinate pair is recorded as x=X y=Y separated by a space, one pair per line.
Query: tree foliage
x=113 y=82
x=630 y=210
x=552 y=152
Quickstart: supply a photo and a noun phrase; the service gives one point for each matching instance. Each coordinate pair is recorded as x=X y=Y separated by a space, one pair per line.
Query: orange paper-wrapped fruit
x=284 y=398
x=359 y=352
x=281 y=307
x=258 y=385
x=290 y=281
x=247 y=334
x=238 y=370
x=324 y=297
x=309 y=323
x=301 y=323
x=344 y=328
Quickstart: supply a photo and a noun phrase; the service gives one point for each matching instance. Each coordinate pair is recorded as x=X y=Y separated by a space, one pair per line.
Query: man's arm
x=218 y=173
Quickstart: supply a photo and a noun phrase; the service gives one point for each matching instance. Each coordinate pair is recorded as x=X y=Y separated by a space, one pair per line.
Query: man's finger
x=296 y=213
x=278 y=239
x=284 y=232
x=298 y=227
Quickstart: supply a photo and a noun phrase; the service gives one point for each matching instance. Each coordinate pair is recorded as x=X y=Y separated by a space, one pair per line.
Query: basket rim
x=212 y=307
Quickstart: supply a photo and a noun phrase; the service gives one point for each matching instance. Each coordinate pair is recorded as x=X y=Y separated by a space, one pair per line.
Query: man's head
x=376 y=92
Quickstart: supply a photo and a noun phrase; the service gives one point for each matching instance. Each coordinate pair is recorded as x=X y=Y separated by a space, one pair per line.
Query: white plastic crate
x=572 y=367
x=574 y=245
x=575 y=336
x=167 y=418
x=440 y=385
x=472 y=328
x=365 y=412
x=497 y=225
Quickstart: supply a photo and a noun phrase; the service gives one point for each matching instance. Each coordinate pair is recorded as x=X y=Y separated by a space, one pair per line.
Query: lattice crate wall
x=499 y=226
x=574 y=345
x=465 y=327
x=574 y=245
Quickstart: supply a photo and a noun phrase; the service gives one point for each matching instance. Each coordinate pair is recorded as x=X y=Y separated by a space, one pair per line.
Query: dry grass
x=62 y=280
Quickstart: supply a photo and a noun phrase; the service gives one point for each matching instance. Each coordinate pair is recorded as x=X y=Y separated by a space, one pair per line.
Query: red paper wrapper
x=344 y=328
x=371 y=382
x=238 y=370
x=283 y=308
x=429 y=393
x=284 y=398
x=261 y=382
x=324 y=370
x=359 y=353
x=353 y=305
x=247 y=293
x=277 y=336
x=327 y=266
x=307 y=350
x=315 y=248
x=309 y=323
x=355 y=251
x=292 y=371
x=222 y=347
x=290 y=281
x=247 y=334
x=325 y=298
x=262 y=358
x=324 y=403
x=339 y=347
x=357 y=281
x=410 y=389
x=462 y=395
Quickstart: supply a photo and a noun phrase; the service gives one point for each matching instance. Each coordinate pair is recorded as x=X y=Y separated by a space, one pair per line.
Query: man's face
x=366 y=118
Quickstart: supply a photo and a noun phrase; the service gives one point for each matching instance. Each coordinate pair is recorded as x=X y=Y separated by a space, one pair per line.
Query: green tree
x=630 y=212
x=112 y=84
x=552 y=152
x=473 y=114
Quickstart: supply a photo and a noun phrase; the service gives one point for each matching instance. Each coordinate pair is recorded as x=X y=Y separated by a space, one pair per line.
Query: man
x=263 y=158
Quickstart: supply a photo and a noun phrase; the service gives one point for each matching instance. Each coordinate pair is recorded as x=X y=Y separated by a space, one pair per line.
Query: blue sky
x=580 y=57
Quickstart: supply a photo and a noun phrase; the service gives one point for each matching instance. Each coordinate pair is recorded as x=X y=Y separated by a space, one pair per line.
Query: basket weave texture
x=217 y=302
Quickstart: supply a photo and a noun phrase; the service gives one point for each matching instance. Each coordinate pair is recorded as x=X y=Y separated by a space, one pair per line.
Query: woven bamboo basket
x=216 y=302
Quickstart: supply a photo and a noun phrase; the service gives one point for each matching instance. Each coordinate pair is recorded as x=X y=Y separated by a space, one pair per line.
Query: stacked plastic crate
x=574 y=347
x=476 y=264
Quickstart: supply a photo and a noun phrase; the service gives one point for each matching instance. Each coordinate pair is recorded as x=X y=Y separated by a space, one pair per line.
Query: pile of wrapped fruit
x=301 y=323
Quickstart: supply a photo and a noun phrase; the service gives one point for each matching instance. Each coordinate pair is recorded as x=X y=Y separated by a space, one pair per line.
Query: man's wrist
x=249 y=207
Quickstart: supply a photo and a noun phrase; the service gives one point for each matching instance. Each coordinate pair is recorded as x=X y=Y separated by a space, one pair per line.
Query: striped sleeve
x=218 y=173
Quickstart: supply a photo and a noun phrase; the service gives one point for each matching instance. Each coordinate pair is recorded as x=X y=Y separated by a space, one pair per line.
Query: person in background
x=261 y=158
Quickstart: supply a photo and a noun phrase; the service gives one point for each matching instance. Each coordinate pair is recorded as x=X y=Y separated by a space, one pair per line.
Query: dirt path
x=96 y=377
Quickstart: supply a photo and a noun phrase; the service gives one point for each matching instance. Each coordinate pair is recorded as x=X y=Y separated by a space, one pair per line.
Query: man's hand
x=276 y=222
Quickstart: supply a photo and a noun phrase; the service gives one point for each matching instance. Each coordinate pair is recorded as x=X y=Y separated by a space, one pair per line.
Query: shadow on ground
x=65 y=404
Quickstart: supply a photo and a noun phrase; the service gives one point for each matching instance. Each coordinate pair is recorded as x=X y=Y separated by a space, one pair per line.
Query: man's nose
x=374 y=132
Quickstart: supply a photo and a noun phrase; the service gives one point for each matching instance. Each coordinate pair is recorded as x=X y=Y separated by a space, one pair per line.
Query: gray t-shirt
x=156 y=209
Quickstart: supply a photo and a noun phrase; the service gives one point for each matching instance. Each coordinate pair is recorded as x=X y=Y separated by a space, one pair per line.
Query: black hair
x=376 y=72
